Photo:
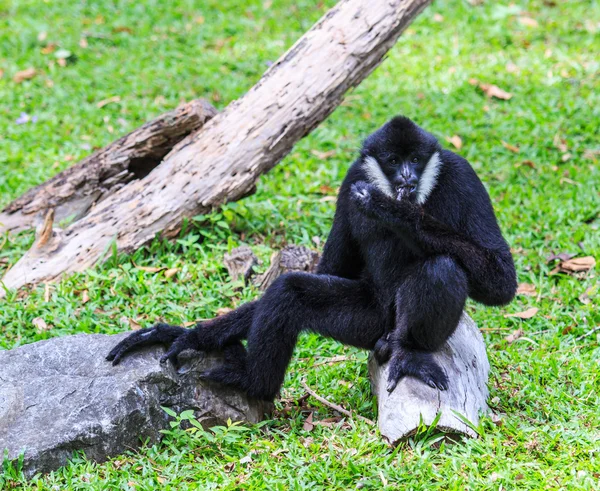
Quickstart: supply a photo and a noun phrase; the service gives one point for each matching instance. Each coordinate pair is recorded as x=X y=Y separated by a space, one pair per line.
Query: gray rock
x=466 y=364
x=60 y=395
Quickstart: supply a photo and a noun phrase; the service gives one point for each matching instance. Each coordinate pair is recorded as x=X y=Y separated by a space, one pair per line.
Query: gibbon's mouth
x=405 y=192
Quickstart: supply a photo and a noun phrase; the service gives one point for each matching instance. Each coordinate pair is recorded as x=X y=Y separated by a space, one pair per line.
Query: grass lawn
x=155 y=54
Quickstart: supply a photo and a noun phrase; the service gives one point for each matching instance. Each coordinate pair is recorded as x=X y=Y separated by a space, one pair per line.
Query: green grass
x=155 y=54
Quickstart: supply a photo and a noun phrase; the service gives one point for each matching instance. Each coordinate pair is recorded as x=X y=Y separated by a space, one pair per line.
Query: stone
x=465 y=360
x=59 y=396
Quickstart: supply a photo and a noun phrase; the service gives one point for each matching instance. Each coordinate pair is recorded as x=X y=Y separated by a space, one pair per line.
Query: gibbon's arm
x=490 y=269
x=341 y=256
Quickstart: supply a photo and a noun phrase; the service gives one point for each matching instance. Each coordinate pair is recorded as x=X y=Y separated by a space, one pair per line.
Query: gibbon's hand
x=179 y=338
x=368 y=199
x=377 y=205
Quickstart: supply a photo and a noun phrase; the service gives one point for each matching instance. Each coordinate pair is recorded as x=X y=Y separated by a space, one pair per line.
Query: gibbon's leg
x=335 y=307
x=429 y=304
x=212 y=335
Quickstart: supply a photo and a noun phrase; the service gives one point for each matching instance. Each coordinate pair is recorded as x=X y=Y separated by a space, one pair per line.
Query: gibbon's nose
x=405 y=179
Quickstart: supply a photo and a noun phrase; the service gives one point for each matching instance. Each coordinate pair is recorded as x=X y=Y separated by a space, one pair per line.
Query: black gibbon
x=414 y=235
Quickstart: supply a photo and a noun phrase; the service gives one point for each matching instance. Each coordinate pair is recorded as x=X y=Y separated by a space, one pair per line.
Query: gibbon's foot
x=227 y=374
x=233 y=370
x=419 y=364
x=157 y=334
x=382 y=350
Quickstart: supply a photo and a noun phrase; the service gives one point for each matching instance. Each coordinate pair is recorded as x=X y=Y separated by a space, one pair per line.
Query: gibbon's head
x=402 y=160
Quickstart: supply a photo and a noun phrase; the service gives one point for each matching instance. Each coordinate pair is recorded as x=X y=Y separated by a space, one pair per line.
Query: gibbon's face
x=402 y=160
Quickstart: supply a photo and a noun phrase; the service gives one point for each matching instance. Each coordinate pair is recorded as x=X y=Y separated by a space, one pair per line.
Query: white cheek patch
x=429 y=178
x=376 y=176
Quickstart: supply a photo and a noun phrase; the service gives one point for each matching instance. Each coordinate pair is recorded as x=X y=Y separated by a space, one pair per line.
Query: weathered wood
x=291 y=258
x=240 y=263
x=222 y=161
x=72 y=192
x=466 y=364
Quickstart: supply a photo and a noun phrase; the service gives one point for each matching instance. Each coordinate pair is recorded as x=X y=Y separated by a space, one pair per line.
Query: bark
x=240 y=263
x=73 y=192
x=224 y=159
x=291 y=258
x=465 y=361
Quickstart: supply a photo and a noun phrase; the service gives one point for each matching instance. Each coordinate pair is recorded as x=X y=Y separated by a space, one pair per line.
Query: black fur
x=394 y=275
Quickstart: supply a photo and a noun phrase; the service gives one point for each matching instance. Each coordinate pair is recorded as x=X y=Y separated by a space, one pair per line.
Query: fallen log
x=224 y=159
x=72 y=192
x=413 y=402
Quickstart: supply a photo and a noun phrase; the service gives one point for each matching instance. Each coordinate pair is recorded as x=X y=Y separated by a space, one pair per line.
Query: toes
x=391 y=385
x=382 y=351
x=172 y=356
x=419 y=365
x=435 y=377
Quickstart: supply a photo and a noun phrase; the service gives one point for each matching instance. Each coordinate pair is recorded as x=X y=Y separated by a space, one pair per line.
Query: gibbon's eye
x=393 y=161
x=415 y=160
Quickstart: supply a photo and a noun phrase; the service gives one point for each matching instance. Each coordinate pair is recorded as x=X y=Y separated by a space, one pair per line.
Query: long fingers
x=187 y=340
x=159 y=333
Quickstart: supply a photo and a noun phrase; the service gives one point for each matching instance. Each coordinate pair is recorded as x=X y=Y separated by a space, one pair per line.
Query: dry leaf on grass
x=526 y=314
x=438 y=18
x=510 y=147
x=528 y=21
x=223 y=311
x=49 y=48
x=492 y=90
x=560 y=143
x=85 y=297
x=526 y=289
x=40 y=324
x=526 y=163
x=578 y=264
x=23 y=75
x=247 y=459
x=327 y=190
x=171 y=272
x=124 y=29
x=150 y=269
x=133 y=325
x=513 y=336
x=308 y=423
x=455 y=140
x=584 y=298
x=328 y=422
x=570 y=264
x=323 y=155
x=110 y=100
